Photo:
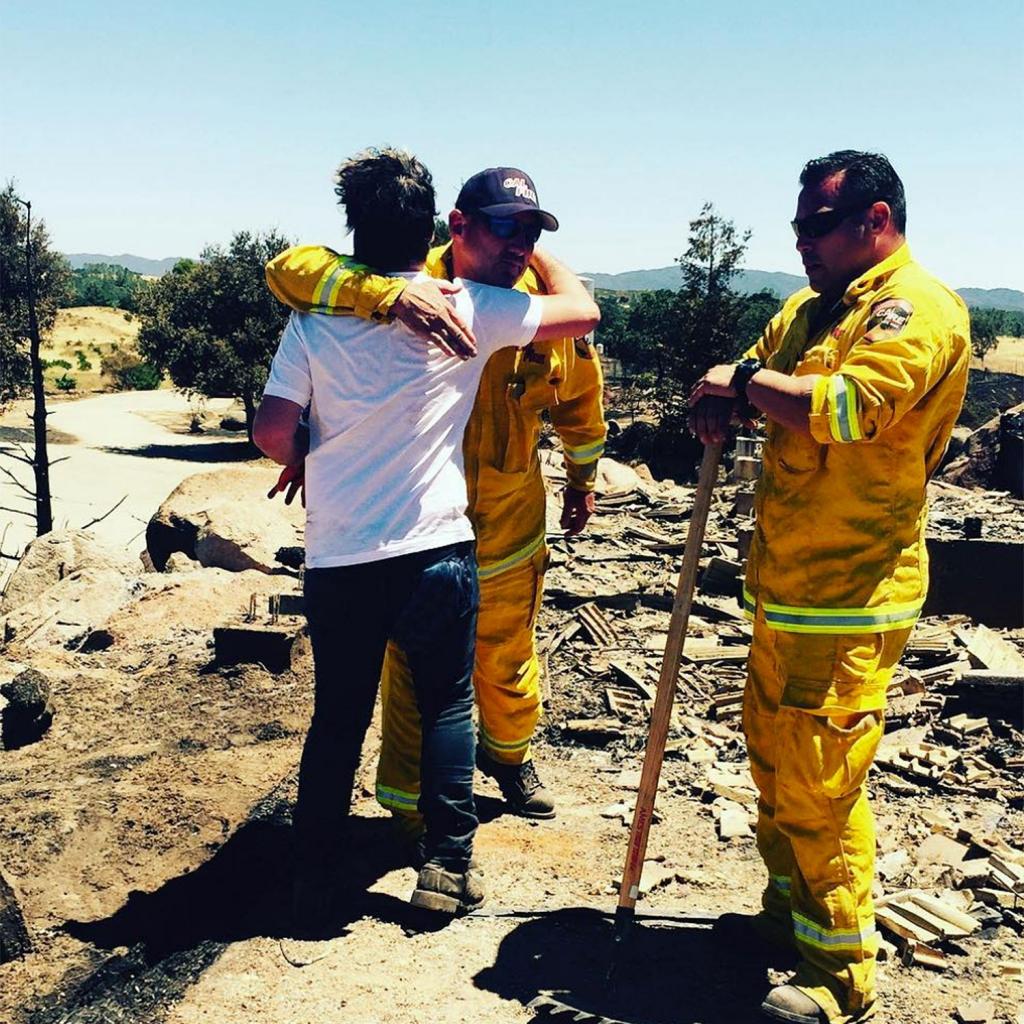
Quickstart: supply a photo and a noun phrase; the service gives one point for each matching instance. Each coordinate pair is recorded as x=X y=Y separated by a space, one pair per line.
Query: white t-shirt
x=384 y=474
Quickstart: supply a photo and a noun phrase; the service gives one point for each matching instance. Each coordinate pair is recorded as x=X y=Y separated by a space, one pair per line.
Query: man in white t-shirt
x=389 y=550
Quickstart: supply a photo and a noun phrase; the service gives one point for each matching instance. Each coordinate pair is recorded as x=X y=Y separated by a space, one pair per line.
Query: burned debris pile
x=953 y=725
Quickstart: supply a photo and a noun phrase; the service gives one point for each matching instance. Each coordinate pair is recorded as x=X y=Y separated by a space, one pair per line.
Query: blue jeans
x=427 y=603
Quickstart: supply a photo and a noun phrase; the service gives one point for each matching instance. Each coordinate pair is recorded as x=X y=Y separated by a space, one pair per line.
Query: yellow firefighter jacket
x=839 y=541
x=506 y=491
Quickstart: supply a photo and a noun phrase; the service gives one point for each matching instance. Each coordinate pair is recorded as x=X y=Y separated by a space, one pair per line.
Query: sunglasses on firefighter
x=817 y=225
x=508 y=228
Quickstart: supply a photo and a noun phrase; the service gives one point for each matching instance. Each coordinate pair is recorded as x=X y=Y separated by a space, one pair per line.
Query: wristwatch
x=745 y=369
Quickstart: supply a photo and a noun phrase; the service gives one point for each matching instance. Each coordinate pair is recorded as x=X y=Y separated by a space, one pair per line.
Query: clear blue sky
x=158 y=128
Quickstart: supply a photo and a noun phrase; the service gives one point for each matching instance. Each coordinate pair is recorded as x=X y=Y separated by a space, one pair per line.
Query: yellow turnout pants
x=506 y=677
x=813 y=714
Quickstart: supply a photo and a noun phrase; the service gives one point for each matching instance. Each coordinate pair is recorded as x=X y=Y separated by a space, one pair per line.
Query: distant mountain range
x=138 y=264
x=781 y=285
x=747 y=281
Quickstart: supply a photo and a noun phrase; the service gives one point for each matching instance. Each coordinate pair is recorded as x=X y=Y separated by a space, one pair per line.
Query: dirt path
x=118 y=451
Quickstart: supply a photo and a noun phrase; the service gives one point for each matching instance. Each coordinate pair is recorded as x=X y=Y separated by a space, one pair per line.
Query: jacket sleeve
x=314 y=279
x=884 y=375
x=578 y=415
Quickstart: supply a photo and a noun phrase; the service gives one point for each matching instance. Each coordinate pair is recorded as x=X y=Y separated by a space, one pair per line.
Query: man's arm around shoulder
x=567 y=310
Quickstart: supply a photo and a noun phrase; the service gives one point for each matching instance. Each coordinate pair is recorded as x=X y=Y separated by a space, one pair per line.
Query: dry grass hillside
x=1006 y=356
x=95 y=331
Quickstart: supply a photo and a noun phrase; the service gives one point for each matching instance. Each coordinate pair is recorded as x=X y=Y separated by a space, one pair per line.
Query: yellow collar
x=872 y=277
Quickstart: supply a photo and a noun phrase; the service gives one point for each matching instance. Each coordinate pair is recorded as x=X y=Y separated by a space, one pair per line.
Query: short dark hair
x=869 y=178
x=389 y=202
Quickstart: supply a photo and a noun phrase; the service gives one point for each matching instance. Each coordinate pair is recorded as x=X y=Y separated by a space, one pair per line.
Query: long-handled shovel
x=658 y=730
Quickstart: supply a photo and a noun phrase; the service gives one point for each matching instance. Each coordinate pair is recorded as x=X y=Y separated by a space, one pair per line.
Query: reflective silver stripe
x=387 y=796
x=326 y=285
x=585 y=453
x=794 y=619
x=814 y=934
x=489 y=569
x=841 y=620
x=844 y=422
x=506 y=747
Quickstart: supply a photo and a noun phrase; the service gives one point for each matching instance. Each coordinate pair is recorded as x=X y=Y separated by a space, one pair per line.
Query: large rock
x=223 y=519
x=28 y=712
x=67 y=612
x=993 y=455
x=56 y=556
x=613 y=478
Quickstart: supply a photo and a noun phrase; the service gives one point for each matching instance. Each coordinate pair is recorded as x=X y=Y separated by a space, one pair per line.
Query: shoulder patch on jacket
x=887 y=319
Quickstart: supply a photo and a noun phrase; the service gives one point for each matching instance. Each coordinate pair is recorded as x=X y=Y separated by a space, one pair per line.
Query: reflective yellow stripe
x=489 y=569
x=788 y=618
x=852 y=410
x=781 y=882
x=808 y=931
x=585 y=452
x=506 y=747
x=325 y=295
x=844 y=422
x=397 y=799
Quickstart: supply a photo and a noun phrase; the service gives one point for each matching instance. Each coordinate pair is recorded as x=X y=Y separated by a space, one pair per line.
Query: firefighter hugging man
x=861 y=377
x=492 y=242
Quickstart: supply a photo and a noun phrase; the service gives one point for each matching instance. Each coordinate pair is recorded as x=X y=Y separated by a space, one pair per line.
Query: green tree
x=705 y=323
x=611 y=331
x=441 y=233
x=755 y=310
x=653 y=323
x=213 y=325
x=105 y=284
x=129 y=372
x=986 y=324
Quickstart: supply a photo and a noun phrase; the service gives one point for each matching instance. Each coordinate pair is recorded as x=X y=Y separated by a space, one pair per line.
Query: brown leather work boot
x=449 y=892
x=520 y=786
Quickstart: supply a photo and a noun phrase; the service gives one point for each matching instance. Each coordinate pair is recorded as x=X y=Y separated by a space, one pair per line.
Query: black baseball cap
x=503 y=192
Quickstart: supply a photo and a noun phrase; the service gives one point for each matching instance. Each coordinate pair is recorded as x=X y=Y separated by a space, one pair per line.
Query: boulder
x=57 y=555
x=223 y=519
x=615 y=478
x=68 y=611
x=28 y=712
x=178 y=561
x=993 y=456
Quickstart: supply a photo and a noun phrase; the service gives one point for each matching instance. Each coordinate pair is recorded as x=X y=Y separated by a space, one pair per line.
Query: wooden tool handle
x=658 y=730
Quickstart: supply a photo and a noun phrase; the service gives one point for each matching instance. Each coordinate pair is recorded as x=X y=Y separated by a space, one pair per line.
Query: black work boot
x=520 y=786
x=448 y=892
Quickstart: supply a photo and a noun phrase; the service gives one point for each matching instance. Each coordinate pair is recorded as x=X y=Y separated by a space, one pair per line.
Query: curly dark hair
x=869 y=178
x=389 y=202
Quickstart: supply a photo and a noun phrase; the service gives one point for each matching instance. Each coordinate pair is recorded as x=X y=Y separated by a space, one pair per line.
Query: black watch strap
x=745 y=369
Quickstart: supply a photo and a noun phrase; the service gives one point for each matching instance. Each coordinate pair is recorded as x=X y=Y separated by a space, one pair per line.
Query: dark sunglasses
x=817 y=225
x=507 y=228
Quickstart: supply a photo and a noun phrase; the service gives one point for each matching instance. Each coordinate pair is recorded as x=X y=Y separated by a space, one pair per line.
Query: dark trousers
x=427 y=603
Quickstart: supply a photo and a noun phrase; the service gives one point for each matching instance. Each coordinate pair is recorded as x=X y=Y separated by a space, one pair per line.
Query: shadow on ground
x=210 y=451
x=243 y=891
x=26 y=435
x=664 y=975
x=174 y=934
